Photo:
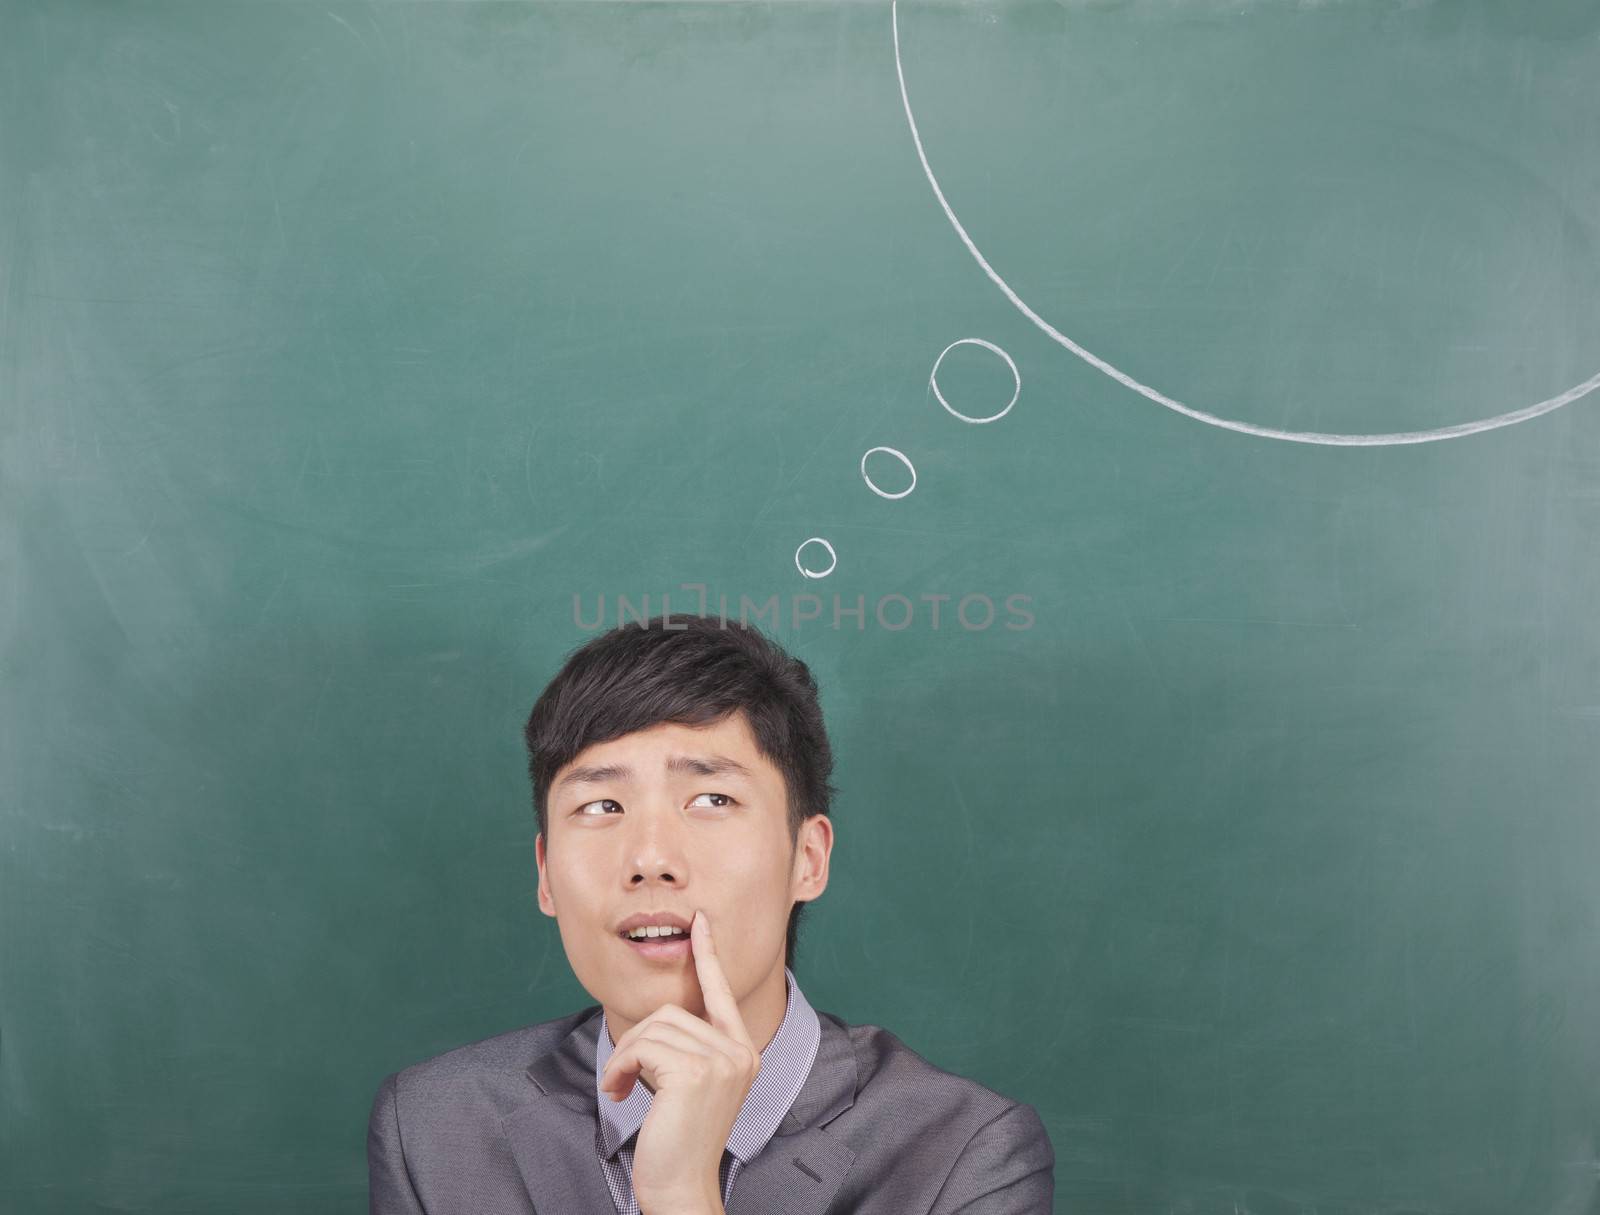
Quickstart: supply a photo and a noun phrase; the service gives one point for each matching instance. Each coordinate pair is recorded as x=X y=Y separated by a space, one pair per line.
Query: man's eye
x=604 y=801
x=725 y=798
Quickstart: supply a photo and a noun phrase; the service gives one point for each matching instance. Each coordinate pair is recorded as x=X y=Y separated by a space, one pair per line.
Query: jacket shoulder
x=936 y=1140
x=435 y=1134
x=488 y=1067
x=892 y=1078
x=888 y=1069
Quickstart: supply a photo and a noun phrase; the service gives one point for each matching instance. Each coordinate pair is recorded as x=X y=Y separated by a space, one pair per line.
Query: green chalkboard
x=1242 y=810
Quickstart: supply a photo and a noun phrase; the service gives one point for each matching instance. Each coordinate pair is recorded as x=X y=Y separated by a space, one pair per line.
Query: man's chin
x=640 y=992
x=656 y=988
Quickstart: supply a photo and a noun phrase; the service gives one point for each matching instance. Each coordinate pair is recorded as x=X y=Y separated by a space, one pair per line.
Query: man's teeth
x=640 y=934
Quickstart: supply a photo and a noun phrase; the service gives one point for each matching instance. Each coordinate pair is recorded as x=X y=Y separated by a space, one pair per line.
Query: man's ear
x=813 y=849
x=547 y=902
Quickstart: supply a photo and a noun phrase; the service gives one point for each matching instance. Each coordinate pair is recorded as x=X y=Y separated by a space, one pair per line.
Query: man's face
x=648 y=834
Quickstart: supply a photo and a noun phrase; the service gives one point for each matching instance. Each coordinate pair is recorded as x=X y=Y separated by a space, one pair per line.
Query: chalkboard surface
x=1240 y=809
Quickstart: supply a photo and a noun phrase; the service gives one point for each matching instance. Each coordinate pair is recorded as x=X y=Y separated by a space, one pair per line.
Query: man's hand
x=699 y=1074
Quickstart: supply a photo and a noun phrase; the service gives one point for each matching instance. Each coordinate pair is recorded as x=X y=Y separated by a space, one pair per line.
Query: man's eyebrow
x=594 y=774
x=708 y=765
x=695 y=765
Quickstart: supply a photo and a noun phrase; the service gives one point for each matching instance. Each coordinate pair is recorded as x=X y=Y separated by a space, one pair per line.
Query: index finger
x=722 y=1009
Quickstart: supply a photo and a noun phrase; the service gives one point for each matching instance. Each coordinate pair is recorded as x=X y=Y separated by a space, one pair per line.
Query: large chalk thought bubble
x=1210 y=419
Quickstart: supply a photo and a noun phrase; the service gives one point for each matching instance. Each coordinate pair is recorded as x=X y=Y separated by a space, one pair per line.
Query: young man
x=680 y=779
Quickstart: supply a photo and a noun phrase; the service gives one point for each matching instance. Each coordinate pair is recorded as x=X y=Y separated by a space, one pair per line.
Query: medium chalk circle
x=816 y=573
x=933 y=378
x=899 y=455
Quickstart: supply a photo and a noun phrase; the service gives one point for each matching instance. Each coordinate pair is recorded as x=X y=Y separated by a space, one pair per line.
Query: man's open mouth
x=664 y=947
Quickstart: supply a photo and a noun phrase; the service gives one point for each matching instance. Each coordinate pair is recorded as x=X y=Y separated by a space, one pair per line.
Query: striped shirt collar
x=785 y=1064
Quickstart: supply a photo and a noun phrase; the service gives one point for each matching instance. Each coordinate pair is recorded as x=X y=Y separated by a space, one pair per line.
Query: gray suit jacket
x=506 y=1126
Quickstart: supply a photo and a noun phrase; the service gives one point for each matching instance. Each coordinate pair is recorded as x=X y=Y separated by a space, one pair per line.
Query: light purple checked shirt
x=785 y=1064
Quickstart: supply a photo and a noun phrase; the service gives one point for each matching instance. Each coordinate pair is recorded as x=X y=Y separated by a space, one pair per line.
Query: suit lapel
x=802 y=1167
x=552 y=1135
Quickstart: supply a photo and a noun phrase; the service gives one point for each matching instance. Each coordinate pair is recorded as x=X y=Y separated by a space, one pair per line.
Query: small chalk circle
x=833 y=558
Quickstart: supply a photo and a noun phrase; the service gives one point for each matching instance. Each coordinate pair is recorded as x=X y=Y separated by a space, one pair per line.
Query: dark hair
x=695 y=671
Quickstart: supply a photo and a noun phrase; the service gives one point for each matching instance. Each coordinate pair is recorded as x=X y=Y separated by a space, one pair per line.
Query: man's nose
x=655 y=847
